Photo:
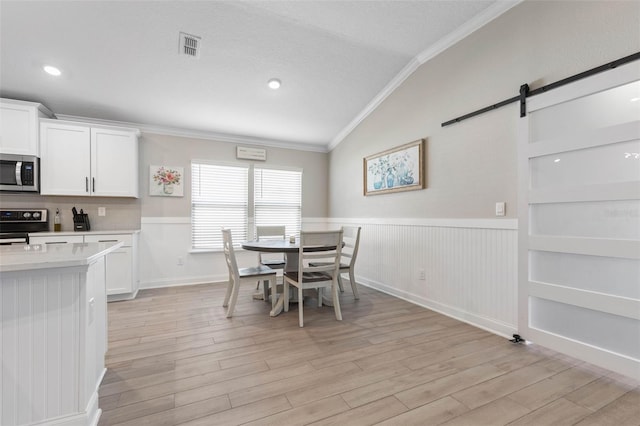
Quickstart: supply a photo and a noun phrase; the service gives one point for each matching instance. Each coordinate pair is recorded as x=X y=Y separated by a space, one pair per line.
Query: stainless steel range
x=16 y=224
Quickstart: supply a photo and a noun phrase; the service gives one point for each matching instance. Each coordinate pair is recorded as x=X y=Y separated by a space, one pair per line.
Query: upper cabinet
x=19 y=126
x=84 y=160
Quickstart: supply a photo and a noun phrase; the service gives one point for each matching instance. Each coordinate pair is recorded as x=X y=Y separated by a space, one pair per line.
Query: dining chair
x=316 y=245
x=272 y=260
x=351 y=239
x=240 y=276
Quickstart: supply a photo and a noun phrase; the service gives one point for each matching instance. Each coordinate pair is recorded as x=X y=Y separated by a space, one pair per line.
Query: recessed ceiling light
x=52 y=70
x=634 y=99
x=557 y=160
x=274 y=83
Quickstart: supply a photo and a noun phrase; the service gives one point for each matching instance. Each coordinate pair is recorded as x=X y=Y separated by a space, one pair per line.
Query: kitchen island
x=53 y=332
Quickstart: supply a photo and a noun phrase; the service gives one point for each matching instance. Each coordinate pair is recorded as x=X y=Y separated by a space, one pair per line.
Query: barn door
x=579 y=220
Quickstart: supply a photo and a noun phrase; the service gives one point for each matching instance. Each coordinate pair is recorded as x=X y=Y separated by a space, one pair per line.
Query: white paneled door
x=579 y=216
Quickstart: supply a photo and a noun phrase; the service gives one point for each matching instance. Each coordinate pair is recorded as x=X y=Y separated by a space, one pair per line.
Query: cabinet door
x=65 y=159
x=114 y=163
x=18 y=129
x=119 y=267
x=119 y=263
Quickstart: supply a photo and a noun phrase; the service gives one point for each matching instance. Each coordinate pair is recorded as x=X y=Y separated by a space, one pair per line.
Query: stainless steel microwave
x=19 y=173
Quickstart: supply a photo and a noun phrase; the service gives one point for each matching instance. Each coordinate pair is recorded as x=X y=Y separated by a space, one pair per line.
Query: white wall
x=470 y=270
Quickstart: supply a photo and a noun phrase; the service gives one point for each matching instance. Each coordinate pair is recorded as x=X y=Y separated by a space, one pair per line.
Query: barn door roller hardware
x=525 y=92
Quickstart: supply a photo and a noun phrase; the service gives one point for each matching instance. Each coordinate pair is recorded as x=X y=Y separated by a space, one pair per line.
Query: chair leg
x=234 y=298
x=228 y=294
x=300 y=303
x=265 y=289
x=340 y=283
x=273 y=284
x=354 y=286
x=285 y=290
x=336 y=301
x=319 y=297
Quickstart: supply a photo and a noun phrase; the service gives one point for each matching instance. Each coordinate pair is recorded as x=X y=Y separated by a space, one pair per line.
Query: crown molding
x=196 y=134
x=475 y=23
x=376 y=101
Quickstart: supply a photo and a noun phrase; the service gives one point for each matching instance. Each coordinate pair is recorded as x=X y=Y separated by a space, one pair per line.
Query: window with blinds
x=278 y=198
x=219 y=199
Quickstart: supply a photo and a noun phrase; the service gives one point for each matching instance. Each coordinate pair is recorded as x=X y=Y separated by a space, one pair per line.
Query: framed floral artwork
x=396 y=169
x=166 y=181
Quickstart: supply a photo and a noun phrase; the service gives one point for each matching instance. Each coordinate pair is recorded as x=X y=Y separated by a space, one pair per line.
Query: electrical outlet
x=422 y=275
x=102 y=211
x=180 y=261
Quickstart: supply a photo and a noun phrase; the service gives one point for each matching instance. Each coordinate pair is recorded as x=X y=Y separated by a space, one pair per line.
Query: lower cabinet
x=121 y=264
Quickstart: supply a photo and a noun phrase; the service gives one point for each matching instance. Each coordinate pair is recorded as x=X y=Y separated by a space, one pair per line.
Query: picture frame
x=395 y=170
x=166 y=181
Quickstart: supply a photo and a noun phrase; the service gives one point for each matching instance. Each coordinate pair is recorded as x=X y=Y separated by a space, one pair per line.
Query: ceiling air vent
x=190 y=45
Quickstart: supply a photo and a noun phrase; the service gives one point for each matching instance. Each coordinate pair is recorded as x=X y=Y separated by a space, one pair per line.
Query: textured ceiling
x=120 y=60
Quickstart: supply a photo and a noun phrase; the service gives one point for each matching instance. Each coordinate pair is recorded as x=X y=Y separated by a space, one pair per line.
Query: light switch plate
x=500 y=209
x=102 y=211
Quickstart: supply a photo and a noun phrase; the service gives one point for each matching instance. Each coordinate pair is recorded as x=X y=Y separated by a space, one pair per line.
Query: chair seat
x=309 y=277
x=279 y=264
x=255 y=271
x=342 y=265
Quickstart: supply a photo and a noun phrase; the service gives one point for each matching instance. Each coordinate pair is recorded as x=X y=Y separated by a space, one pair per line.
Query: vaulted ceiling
x=120 y=60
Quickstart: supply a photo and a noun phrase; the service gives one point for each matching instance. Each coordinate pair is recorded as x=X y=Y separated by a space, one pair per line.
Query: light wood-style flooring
x=175 y=359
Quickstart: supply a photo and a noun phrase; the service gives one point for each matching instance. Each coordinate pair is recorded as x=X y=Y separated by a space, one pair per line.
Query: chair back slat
x=271 y=232
x=351 y=244
x=230 y=255
x=331 y=243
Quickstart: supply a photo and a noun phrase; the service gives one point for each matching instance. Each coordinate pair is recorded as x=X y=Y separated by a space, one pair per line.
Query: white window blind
x=278 y=198
x=219 y=199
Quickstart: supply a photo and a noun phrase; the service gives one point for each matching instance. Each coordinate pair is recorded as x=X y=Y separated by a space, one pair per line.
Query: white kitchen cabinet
x=82 y=160
x=122 y=265
x=19 y=126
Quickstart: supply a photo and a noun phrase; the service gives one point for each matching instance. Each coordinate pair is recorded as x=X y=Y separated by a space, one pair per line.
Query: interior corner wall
x=448 y=228
x=165 y=238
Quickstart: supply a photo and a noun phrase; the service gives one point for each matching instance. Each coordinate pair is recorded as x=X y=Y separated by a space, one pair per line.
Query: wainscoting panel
x=40 y=317
x=469 y=264
x=470 y=270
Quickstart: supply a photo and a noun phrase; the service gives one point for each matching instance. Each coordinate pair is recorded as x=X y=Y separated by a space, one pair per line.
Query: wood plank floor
x=174 y=359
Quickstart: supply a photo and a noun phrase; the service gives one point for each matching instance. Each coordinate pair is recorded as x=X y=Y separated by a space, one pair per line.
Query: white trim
x=182 y=281
x=221 y=163
x=409 y=69
x=615 y=77
x=480 y=20
x=626 y=249
x=475 y=23
x=595 y=355
x=616 y=305
x=588 y=139
x=488 y=324
x=165 y=220
x=601 y=192
x=445 y=222
x=197 y=134
x=434 y=222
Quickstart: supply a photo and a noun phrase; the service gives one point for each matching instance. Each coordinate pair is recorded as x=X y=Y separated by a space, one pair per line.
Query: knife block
x=81 y=222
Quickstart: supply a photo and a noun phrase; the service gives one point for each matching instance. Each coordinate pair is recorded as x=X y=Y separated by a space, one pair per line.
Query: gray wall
x=179 y=151
x=472 y=165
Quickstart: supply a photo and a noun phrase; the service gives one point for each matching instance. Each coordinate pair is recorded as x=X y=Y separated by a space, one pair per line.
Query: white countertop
x=41 y=256
x=65 y=233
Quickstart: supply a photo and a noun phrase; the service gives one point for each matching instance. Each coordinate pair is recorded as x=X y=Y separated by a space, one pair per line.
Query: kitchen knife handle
x=86 y=183
x=93 y=182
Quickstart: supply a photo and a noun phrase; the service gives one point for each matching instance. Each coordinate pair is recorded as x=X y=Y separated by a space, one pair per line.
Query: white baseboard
x=492 y=326
x=182 y=281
